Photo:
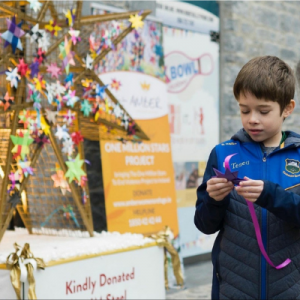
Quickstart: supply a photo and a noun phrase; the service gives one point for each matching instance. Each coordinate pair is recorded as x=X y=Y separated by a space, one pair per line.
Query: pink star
x=54 y=70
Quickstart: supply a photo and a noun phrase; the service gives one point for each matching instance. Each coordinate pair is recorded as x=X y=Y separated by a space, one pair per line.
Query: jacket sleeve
x=283 y=204
x=209 y=212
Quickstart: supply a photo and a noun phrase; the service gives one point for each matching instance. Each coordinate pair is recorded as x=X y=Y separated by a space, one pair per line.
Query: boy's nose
x=253 y=118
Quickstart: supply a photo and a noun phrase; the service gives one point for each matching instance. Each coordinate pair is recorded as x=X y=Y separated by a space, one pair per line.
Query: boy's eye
x=264 y=112
x=245 y=112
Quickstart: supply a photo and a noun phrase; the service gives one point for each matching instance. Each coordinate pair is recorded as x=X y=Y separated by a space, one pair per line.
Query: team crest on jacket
x=292 y=165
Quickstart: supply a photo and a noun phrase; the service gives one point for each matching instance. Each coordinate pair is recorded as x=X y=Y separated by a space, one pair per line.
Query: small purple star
x=34 y=67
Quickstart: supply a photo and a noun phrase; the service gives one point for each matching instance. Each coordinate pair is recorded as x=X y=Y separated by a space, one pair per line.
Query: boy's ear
x=289 y=108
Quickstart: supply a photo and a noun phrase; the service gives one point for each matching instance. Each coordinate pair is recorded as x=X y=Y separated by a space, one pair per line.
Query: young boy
x=264 y=90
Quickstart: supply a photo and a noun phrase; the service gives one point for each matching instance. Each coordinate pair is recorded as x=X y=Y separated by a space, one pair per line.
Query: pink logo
x=181 y=69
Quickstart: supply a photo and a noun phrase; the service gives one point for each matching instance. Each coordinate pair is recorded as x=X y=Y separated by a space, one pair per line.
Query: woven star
x=34 y=69
x=54 y=70
x=136 y=21
x=115 y=84
x=35 y=5
x=35 y=33
x=22 y=67
x=51 y=116
x=70 y=16
x=117 y=111
x=71 y=98
x=13 y=77
x=41 y=140
x=86 y=108
x=45 y=126
x=13 y=34
x=230 y=176
x=66 y=55
x=52 y=27
x=77 y=138
x=60 y=181
x=25 y=118
x=44 y=42
x=69 y=117
x=75 y=169
x=25 y=166
x=6 y=101
x=68 y=147
x=22 y=143
x=89 y=62
x=74 y=36
x=15 y=199
x=62 y=132
x=40 y=56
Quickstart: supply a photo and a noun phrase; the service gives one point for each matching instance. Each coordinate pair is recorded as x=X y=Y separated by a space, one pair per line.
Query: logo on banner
x=182 y=69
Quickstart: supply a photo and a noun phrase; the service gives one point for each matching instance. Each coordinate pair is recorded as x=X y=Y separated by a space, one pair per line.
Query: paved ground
x=197 y=282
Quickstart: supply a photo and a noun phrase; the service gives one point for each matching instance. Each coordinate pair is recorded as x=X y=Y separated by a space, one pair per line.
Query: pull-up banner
x=138 y=178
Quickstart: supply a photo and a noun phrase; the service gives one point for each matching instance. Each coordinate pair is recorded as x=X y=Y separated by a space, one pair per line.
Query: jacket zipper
x=264 y=240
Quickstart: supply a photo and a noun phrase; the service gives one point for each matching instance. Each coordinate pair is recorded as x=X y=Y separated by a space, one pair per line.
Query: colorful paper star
x=25 y=167
x=74 y=36
x=45 y=126
x=60 y=181
x=115 y=84
x=15 y=180
x=62 y=132
x=66 y=55
x=25 y=118
x=13 y=77
x=125 y=121
x=70 y=16
x=75 y=169
x=86 y=108
x=69 y=117
x=68 y=147
x=22 y=67
x=21 y=143
x=136 y=21
x=117 y=111
x=54 y=70
x=35 y=33
x=52 y=27
x=44 y=42
x=41 y=140
x=13 y=34
x=100 y=90
x=40 y=56
x=70 y=98
x=6 y=101
x=34 y=69
x=77 y=138
x=51 y=116
x=35 y=5
x=40 y=83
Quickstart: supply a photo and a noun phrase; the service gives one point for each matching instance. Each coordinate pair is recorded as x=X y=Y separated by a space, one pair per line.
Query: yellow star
x=86 y=82
x=45 y=126
x=136 y=21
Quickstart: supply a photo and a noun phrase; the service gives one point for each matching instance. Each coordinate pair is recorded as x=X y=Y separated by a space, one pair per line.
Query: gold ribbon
x=22 y=265
x=163 y=240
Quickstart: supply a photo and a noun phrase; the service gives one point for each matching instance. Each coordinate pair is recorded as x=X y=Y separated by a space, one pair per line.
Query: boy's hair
x=266 y=77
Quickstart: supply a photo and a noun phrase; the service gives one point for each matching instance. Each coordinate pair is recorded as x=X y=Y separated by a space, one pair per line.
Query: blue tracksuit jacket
x=240 y=270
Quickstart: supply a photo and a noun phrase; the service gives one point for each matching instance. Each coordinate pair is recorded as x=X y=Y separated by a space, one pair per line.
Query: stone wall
x=249 y=29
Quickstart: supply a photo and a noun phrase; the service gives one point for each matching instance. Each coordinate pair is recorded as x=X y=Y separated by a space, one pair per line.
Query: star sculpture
x=13 y=34
x=70 y=16
x=44 y=42
x=89 y=62
x=15 y=199
x=41 y=140
x=45 y=126
x=117 y=111
x=75 y=169
x=54 y=70
x=34 y=69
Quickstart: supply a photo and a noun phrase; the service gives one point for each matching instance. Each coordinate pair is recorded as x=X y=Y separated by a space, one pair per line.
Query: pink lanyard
x=257 y=228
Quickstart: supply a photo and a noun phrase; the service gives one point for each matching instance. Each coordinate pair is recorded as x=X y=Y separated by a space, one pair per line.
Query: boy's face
x=262 y=120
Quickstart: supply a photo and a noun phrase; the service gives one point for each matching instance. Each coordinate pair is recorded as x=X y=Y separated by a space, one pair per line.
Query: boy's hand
x=250 y=189
x=218 y=188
